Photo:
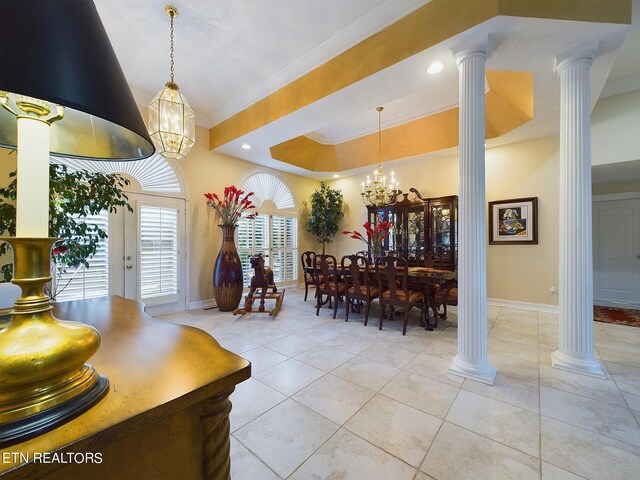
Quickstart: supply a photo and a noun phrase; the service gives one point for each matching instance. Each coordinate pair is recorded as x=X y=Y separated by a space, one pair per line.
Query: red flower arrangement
x=233 y=204
x=375 y=235
x=59 y=250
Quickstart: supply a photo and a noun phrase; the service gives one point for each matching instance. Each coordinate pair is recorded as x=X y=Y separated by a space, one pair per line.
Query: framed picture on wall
x=513 y=222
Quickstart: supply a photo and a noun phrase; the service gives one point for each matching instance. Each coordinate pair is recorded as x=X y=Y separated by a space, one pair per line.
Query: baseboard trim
x=540 y=307
x=210 y=302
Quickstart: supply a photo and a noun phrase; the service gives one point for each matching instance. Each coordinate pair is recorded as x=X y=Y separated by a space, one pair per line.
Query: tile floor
x=330 y=399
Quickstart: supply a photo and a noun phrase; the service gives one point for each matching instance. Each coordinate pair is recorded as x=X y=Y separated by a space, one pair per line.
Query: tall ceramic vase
x=227 y=273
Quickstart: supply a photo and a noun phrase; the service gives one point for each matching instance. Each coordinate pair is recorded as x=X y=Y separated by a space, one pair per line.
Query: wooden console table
x=166 y=415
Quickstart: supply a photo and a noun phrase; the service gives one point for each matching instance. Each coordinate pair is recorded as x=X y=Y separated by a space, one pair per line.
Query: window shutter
x=158 y=251
x=89 y=282
x=275 y=236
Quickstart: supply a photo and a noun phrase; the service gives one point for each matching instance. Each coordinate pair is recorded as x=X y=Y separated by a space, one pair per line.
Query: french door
x=147 y=262
x=143 y=258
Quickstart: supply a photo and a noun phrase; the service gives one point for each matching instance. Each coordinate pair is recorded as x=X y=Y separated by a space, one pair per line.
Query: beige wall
x=8 y=159
x=522 y=273
x=205 y=171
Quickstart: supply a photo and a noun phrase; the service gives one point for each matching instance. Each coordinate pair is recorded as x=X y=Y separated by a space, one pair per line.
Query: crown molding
x=622 y=85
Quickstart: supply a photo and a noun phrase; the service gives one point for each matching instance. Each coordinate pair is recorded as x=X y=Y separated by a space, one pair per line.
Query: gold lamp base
x=44 y=379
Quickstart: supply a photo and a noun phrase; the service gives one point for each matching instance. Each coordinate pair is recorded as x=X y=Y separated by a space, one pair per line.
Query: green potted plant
x=326 y=212
x=73 y=196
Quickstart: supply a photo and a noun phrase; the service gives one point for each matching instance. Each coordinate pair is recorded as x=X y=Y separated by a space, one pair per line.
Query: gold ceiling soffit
x=425 y=27
x=509 y=104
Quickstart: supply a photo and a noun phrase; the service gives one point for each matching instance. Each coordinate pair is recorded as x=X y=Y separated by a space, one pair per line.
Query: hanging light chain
x=379 y=109
x=171 y=14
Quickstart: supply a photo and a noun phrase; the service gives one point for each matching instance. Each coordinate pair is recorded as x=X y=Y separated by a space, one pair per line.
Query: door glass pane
x=92 y=282
x=158 y=251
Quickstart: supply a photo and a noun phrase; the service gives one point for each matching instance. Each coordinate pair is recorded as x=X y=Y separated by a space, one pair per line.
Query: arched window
x=154 y=174
x=274 y=232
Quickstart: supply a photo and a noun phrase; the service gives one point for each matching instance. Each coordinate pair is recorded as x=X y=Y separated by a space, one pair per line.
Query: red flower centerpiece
x=233 y=204
x=227 y=272
x=375 y=236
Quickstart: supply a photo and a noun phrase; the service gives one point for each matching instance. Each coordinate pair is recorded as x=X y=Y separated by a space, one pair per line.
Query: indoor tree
x=326 y=213
x=73 y=196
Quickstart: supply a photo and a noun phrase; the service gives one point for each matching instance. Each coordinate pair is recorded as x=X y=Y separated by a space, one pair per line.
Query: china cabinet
x=421 y=225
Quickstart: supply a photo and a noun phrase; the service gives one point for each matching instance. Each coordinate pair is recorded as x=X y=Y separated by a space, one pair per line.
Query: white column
x=471 y=361
x=575 y=350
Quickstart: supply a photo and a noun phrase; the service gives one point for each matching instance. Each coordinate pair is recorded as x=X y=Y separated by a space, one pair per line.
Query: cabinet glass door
x=395 y=237
x=441 y=230
x=415 y=232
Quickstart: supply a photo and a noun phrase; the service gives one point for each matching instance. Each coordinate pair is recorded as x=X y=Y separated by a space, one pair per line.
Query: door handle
x=129 y=257
x=129 y=267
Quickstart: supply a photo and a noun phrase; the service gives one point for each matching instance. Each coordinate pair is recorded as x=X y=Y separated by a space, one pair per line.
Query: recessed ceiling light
x=246 y=146
x=336 y=176
x=435 y=67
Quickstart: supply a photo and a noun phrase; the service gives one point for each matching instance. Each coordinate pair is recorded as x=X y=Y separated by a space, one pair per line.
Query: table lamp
x=62 y=92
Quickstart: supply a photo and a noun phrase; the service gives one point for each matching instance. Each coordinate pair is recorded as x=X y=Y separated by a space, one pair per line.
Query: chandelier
x=379 y=194
x=172 y=124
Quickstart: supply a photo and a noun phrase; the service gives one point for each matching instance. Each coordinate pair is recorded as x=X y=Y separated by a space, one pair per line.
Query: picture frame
x=513 y=221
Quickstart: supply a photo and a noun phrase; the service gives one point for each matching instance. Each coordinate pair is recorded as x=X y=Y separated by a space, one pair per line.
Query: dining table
x=419 y=277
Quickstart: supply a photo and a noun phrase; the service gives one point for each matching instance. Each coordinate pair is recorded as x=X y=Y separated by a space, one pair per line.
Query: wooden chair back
x=356 y=271
x=392 y=275
x=326 y=268
x=308 y=269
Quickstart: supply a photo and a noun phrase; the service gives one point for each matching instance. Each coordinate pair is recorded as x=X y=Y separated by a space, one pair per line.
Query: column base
x=482 y=372
x=591 y=367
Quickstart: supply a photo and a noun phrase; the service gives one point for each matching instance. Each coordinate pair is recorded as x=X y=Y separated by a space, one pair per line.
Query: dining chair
x=392 y=274
x=356 y=272
x=308 y=271
x=447 y=294
x=431 y=260
x=328 y=282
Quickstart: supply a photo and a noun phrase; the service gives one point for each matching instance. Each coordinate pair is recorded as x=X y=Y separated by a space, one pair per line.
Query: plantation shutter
x=291 y=250
x=92 y=282
x=253 y=238
x=158 y=251
x=285 y=249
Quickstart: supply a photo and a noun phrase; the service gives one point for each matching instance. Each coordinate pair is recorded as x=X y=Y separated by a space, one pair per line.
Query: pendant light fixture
x=172 y=124
x=379 y=194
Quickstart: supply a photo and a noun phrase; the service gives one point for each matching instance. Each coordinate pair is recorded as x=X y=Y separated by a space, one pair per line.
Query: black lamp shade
x=58 y=51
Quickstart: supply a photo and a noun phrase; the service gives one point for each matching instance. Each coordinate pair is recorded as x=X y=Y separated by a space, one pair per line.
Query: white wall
x=615 y=129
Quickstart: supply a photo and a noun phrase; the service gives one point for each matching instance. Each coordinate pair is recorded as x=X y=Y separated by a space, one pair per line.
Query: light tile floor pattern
x=330 y=399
